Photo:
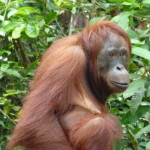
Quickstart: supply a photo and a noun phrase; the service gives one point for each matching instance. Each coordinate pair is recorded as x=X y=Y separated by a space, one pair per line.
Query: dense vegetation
x=27 y=29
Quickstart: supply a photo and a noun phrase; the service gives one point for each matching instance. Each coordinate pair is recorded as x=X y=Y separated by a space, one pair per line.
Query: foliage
x=28 y=27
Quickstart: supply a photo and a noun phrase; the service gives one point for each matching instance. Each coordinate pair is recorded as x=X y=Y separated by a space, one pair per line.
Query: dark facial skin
x=113 y=61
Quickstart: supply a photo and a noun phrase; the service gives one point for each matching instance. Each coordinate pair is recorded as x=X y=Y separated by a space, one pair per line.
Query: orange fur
x=60 y=112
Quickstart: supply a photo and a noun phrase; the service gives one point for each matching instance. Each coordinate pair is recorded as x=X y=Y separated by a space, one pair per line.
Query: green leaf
x=2 y=124
x=121 y=1
x=12 y=92
x=132 y=137
x=136 y=99
x=148 y=146
x=26 y=11
x=131 y=33
x=146 y=1
x=144 y=53
x=3 y=1
x=1 y=18
x=2 y=33
x=148 y=91
x=16 y=108
x=40 y=21
x=5 y=52
x=32 y=65
x=10 y=26
x=52 y=6
x=119 y=145
x=1 y=75
x=131 y=4
x=50 y=17
x=138 y=42
x=10 y=72
x=68 y=6
x=11 y=12
x=16 y=2
x=32 y=30
x=17 y=31
x=95 y=19
x=58 y=2
x=134 y=75
x=127 y=3
x=145 y=103
x=133 y=87
x=123 y=19
x=132 y=118
x=143 y=130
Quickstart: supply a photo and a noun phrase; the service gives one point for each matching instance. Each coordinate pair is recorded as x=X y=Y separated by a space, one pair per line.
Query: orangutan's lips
x=122 y=85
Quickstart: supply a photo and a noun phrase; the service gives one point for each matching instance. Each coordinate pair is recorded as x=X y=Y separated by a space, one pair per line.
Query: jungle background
x=29 y=27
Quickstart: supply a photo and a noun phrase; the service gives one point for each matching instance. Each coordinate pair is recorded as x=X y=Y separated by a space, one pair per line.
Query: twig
x=7 y=116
